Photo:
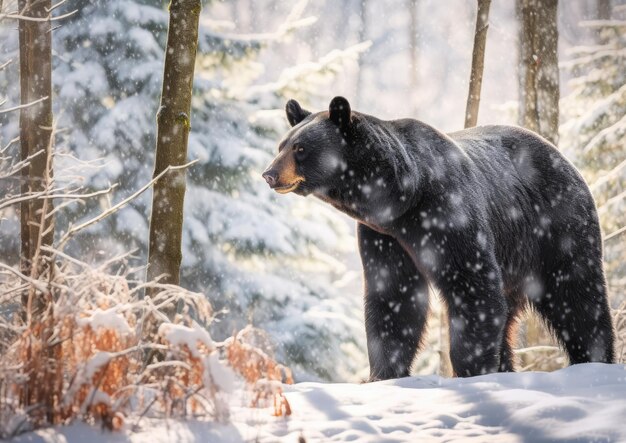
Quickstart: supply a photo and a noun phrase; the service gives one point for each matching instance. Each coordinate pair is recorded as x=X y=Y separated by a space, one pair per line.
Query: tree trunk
x=36 y=221
x=413 y=73
x=548 y=93
x=539 y=110
x=521 y=65
x=538 y=96
x=35 y=135
x=528 y=45
x=173 y=125
x=478 y=63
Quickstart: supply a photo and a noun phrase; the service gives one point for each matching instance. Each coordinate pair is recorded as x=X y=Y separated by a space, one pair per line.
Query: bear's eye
x=299 y=149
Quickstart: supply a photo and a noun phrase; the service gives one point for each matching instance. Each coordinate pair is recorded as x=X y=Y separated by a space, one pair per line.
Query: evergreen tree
x=594 y=135
x=267 y=261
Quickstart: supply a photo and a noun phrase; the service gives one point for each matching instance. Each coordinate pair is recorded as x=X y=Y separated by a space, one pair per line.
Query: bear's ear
x=340 y=113
x=295 y=114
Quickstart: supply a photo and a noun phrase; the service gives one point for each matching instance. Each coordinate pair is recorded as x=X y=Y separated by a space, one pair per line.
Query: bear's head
x=348 y=159
x=312 y=157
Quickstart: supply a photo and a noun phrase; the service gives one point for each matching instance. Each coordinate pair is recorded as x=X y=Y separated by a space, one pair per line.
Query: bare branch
x=37 y=284
x=608 y=176
x=538 y=348
x=22 y=163
x=17 y=16
x=611 y=201
x=38 y=195
x=56 y=5
x=13 y=140
x=5 y=64
x=121 y=204
x=15 y=108
x=614 y=234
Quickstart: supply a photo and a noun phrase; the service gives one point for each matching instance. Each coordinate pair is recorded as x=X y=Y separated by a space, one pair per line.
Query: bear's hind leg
x=476 y=335
x=575 y=307
x=477 y=311
x=396 y=305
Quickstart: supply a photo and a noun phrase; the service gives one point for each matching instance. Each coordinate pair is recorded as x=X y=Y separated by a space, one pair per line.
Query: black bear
x=494 y=217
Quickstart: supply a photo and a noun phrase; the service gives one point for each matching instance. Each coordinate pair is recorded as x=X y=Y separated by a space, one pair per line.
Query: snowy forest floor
x=579 y=403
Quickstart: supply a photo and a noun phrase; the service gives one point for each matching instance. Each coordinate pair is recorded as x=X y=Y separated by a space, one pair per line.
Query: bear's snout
x=281 y=175
x=271 y=177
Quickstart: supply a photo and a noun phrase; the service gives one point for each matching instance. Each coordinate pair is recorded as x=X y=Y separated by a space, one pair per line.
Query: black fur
x=494 y=217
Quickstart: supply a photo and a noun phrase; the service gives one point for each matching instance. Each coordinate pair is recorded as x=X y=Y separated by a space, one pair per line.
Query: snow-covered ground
x=580 y=403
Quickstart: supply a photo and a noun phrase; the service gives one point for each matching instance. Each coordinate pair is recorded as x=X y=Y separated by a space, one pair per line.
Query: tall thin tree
x=36 y=135
x=173 y=125
x=538 y=80
x=36 y=221
x=478 y=63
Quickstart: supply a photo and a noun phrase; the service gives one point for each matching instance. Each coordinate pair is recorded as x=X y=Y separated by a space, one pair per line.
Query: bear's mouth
x=288 y=188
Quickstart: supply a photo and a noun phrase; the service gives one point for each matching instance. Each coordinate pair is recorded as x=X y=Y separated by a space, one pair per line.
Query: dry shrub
x=542 y=352
x=263 y=374
x=101 y=353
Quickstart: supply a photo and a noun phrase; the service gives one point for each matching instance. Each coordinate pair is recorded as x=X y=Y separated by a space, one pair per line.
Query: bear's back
x=521 y=154
x=535 y=196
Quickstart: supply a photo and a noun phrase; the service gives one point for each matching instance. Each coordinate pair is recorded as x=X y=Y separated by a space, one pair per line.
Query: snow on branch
x=604 y=111
x=73 y=230
x=26 y=105
x=18 y=16
x=608 y=54
x=97 y=354
x=603 y=23
x=615 y=234
x=604 y=179
x=209 y=40
x=308 y=76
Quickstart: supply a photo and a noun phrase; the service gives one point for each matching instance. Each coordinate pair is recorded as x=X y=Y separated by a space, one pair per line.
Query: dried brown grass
x=262 y=373
x=93 y=354
x=542 y=352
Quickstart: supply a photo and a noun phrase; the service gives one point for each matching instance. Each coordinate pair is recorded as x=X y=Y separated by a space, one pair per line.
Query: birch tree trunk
x=36 y=222
x=173 y=125
x=478 y=63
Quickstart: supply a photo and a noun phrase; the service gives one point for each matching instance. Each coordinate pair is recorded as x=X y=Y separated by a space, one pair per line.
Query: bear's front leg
x=396 y=305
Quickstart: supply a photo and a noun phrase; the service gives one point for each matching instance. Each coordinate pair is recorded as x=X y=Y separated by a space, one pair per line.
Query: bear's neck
x=386 y=174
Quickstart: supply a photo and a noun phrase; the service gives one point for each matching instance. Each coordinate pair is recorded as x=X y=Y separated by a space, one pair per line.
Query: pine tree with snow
x=258 y=257
x=594 y=135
